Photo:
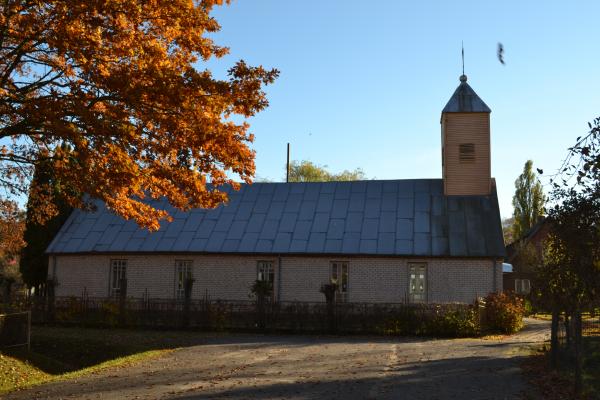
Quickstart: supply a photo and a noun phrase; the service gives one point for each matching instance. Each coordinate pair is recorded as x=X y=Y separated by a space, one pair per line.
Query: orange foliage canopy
x=107 y=91
x=12 y=225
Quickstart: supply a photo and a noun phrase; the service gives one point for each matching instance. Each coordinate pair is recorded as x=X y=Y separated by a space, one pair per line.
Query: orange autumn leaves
x=108 y=90
x=12 y=225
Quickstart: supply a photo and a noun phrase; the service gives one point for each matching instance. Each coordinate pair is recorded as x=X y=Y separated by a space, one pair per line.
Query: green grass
x=548 y=317
x=20 y=369
x=555 y=385
x=59 y=353
x=591 y=365
x=544 y=317
x=16 y=373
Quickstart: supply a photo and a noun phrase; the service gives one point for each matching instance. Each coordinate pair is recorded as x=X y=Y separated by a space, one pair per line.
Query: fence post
x=29 y=330
x=50 y=299
x=122 y=301
x=480 y=304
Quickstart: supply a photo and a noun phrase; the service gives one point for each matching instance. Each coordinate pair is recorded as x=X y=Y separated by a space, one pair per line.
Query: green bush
x=527 y=307
x=461 y=322
x=434 y=320
x=503 y=313
x=110 y=312
x=405 y=322
x=69 y=311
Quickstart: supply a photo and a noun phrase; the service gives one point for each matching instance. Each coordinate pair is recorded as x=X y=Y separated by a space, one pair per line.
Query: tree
x=582 y=162
x=573 y=261
x=570 y=277
x=11 y=240
x=507 y=230
x=117 y=82
x=528 y=201
x=307 y=171
x=45 y=192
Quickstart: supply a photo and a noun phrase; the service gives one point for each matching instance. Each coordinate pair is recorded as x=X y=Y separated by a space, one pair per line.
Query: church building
x=404 y=240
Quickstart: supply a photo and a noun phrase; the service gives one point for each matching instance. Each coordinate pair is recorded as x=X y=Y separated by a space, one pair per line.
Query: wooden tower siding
x=466 y=177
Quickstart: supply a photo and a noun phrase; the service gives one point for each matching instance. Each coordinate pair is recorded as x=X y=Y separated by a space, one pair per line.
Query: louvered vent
x=467 y=152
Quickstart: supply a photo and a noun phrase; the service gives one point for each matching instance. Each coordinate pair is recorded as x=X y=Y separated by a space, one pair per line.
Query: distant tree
x=46 y=191
x=507 y=230
x=307 y=171
x=528 y=201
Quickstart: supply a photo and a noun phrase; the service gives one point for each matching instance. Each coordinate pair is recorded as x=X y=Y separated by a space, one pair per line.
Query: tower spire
x=463 y=77
x=462 y=48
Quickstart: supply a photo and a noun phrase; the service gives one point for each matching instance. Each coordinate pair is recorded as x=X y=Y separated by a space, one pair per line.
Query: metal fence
x=399 y=318
x=15 y=329
x=590 y=327
x=565 y=355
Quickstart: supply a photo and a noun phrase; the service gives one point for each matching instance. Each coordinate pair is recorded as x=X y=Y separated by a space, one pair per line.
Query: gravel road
x=241 y=366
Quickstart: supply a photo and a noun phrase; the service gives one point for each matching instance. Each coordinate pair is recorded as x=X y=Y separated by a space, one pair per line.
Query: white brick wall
x=230 y=277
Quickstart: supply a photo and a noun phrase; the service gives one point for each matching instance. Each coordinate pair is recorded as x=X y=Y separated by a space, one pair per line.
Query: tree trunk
x=554 y=338
x=578 y=352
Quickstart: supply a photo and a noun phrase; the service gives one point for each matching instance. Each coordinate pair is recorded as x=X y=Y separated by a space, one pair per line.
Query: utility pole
x=287 y=168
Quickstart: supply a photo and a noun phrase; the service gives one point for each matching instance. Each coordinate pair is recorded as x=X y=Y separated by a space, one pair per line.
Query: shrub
x=461 y=322
x=110 y=312
x=261 y=289
x=527 y=307
x=406 y=321
x=217 y=315
x=69 y=311
x=434 y=320
x=329 y=290
x=503 y=313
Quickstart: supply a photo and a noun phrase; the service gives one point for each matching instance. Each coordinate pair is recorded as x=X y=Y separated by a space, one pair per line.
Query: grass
x=591 y=365
x=558 y=385
x=544 y=317
x=548 y=317
x=59 y=353
x=20 y=369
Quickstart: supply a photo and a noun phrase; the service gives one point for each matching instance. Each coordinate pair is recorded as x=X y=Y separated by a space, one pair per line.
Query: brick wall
x=230 y=277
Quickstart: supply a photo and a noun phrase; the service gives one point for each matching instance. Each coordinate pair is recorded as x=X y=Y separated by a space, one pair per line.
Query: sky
x=362 y=84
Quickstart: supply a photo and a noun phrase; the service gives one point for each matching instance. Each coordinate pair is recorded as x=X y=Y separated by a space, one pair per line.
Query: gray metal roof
x=465 y=99
x=392 y=217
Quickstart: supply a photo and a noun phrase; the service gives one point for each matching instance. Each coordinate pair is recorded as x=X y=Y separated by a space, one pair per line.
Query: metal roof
x=391 y=217
x=465 y=99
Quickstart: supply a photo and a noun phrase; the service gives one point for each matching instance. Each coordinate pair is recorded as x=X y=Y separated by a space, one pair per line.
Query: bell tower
x=466 y=163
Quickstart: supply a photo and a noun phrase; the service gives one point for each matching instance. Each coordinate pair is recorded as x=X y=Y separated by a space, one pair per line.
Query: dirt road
x=311 y=367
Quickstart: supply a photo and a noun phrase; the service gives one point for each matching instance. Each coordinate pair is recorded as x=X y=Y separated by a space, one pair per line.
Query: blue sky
x=363 y=83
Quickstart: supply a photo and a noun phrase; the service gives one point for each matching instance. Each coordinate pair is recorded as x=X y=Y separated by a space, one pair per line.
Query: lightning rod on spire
x=463 y=56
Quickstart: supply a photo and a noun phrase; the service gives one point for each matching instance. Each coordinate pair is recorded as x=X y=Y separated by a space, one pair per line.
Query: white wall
x=371 y=279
